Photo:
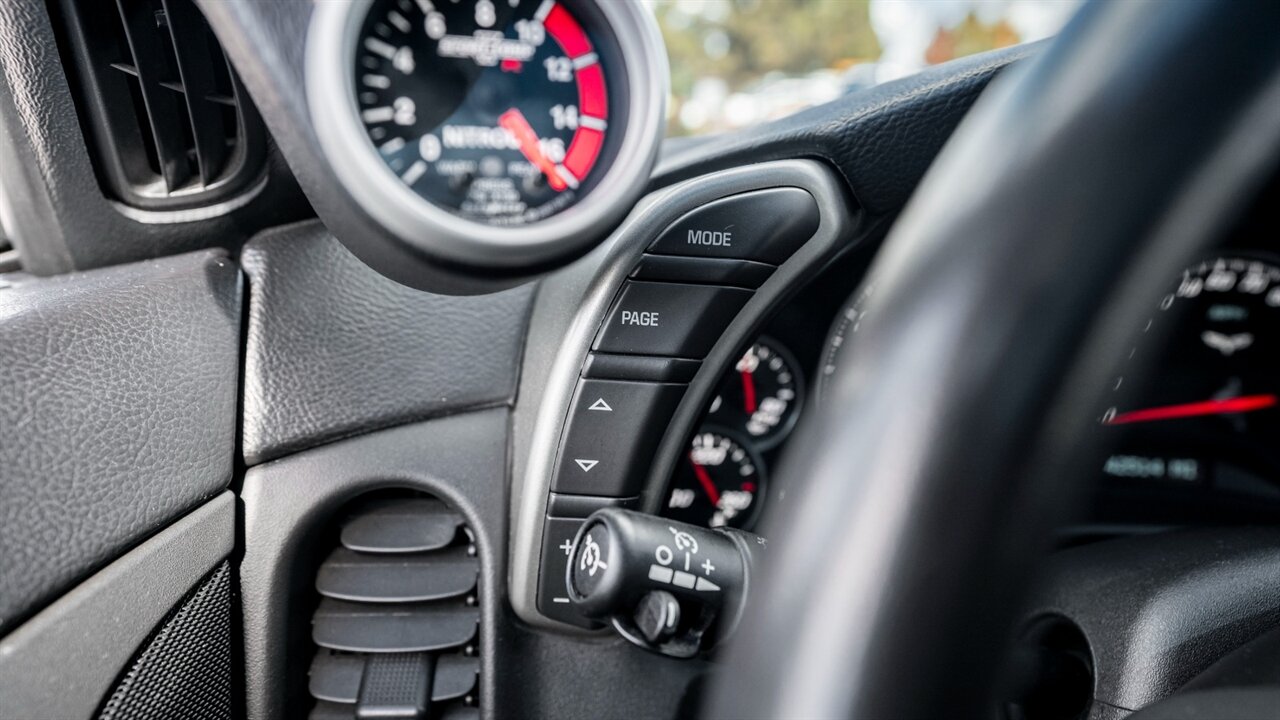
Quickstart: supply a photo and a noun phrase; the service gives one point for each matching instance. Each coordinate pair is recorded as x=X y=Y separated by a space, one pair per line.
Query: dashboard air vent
x=396 y=627
x=169 y=123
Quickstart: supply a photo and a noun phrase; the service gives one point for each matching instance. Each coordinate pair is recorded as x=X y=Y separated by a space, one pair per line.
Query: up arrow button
x=611 y=435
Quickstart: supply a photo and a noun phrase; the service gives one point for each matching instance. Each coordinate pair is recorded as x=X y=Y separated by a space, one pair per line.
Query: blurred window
x=736 y=63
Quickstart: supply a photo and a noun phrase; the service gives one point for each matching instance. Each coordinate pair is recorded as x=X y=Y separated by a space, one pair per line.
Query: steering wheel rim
x=922 y=493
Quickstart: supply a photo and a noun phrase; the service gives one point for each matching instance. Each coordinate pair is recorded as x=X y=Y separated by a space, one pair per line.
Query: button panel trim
x=712 y=271
x=567 y=317
x=608 y=366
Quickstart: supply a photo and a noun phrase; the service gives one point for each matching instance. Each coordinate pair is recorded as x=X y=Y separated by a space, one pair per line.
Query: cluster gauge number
x=495 y=110
x=718 y=484
x=840 y=336
x=1199 y=399
x=760 y=396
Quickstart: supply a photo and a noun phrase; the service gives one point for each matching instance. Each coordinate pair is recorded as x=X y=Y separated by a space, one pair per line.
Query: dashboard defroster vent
x=169 y=123
x=396 y=627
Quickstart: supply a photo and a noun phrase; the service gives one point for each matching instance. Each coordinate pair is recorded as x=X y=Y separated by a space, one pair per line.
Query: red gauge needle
x=514 y=122
x=748 y=391
x=704 y=479
x=1243 y=404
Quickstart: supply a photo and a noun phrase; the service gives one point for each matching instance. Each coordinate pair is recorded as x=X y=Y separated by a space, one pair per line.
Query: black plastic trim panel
x=1158 y=609
x=63 y=662
x=880 y=140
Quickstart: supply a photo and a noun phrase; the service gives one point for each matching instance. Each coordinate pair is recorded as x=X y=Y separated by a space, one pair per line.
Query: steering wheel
x=924 y=492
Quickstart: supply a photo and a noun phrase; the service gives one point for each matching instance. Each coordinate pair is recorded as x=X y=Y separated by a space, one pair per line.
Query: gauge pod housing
x=420 y=237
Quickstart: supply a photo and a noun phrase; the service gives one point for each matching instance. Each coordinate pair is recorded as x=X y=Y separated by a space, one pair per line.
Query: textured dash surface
x=335 y=350
x=117 y=414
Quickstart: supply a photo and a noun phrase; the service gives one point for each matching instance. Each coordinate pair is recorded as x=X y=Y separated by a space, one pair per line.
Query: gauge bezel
x=441 y=235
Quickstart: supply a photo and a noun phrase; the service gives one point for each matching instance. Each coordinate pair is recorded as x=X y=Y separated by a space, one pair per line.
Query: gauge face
x=1208 y=411
x=760 y=396
x=718 y=483
x=494 y=110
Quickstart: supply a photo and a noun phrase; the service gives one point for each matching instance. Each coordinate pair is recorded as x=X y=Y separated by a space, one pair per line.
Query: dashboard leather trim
x=335 y=350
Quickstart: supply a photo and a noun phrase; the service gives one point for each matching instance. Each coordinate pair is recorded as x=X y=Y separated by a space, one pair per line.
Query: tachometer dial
x=761 y=394
x=718 y=483
x=496 y=110
x=1209 y=408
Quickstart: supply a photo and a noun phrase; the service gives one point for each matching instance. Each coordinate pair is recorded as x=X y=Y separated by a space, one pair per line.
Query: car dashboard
x=1181 y=446
x=357 y=366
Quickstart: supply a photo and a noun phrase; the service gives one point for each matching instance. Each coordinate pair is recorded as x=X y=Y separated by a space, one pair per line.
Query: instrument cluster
x=1185 y=435
x=724 y=478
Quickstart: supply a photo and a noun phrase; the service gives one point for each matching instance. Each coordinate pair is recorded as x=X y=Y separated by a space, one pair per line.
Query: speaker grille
x=184 y=670
x=395 y=630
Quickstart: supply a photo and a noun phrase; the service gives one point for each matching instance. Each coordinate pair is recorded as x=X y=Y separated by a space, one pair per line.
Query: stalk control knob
x=666 y=586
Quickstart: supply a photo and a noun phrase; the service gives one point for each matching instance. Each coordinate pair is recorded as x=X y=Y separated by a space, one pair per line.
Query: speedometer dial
x=495 y=110
x=1210 y=410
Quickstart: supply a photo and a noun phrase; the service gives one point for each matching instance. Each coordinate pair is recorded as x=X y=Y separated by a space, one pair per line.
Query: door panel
x=118 y=411
x=66 y=661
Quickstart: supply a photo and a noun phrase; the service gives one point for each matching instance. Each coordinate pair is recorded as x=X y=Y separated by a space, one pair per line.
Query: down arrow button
x=612 y=432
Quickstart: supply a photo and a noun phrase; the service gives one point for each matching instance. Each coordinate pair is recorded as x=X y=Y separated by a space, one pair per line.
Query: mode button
x=764 y=225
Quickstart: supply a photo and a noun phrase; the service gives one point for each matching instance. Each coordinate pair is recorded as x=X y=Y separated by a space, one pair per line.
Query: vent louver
x=396 y=628
x=170 y=125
